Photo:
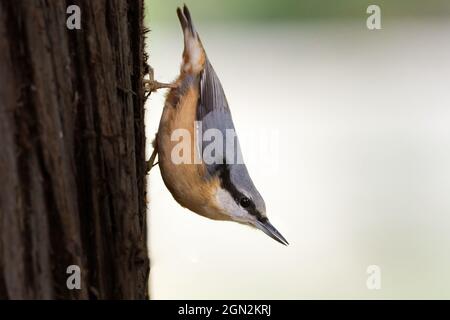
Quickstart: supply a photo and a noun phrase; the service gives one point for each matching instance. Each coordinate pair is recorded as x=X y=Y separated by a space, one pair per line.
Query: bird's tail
x=194 y=56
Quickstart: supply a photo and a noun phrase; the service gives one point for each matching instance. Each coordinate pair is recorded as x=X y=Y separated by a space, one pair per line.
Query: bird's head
x=241 y=202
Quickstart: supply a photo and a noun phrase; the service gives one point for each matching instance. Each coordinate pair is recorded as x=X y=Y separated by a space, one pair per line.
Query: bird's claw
x=151 y=162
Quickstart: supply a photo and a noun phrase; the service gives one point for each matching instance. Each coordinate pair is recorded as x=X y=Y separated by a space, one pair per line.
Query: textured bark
x=72 y=163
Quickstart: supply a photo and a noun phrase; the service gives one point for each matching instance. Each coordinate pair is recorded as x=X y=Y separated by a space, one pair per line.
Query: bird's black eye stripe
x=241 y=199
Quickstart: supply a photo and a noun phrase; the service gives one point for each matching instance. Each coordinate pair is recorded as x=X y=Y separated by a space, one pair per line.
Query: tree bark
x=72 y=163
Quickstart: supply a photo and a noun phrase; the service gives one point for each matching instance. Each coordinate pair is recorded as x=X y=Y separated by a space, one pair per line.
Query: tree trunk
x=72 y=164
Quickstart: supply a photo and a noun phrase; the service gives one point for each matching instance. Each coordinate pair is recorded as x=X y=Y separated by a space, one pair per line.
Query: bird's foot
x=153 y=85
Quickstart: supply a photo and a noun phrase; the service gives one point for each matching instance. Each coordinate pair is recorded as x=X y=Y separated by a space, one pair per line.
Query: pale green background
x=346 y=134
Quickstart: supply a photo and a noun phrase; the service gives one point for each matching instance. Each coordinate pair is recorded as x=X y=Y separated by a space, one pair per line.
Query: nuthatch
x=221 y=190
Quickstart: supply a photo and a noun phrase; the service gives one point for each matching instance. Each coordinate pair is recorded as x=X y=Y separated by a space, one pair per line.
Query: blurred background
x=346 y=134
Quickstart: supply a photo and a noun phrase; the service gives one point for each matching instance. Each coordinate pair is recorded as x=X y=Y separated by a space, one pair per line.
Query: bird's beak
x=270 y=230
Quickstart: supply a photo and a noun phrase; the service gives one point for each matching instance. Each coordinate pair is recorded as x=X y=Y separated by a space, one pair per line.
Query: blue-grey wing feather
x=214 y=113
x=212 y=96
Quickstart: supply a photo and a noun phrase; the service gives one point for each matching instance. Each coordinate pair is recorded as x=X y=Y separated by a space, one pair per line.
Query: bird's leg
x=151 y=85
x=151 y=162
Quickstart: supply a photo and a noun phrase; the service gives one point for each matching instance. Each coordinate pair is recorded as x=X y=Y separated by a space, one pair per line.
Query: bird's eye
x=245 y=202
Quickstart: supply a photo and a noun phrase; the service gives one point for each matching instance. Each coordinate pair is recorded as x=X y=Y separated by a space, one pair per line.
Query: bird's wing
x=213 y=113
x=212 y=96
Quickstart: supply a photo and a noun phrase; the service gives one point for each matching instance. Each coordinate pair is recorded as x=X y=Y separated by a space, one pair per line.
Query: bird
x=220 y=189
